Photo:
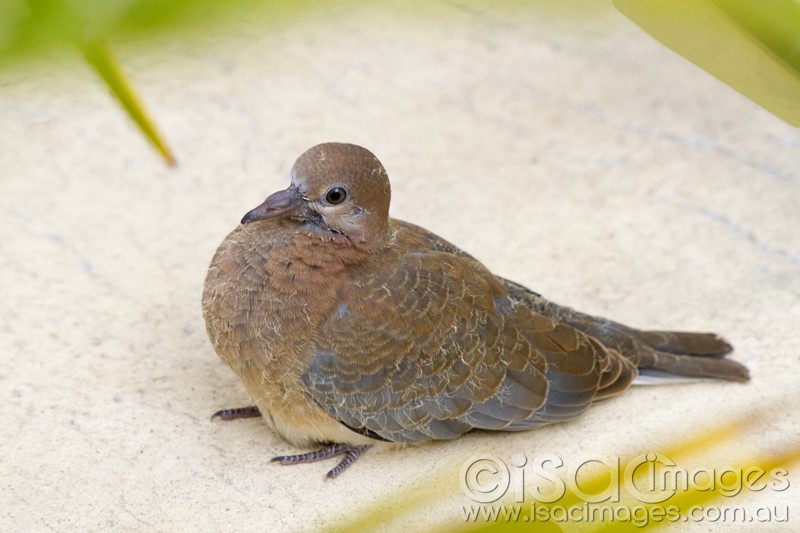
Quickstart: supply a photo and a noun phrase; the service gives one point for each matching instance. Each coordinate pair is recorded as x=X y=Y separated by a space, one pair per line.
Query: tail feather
x=685 y=343
x=693 y=365
x=677 y=352
x=688 y=354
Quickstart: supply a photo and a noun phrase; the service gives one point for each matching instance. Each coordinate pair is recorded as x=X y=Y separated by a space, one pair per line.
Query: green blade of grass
x=105 y=64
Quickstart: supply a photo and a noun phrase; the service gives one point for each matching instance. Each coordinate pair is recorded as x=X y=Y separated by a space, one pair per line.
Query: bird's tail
x=657 y=354
x=696 y=355
x=691 y=354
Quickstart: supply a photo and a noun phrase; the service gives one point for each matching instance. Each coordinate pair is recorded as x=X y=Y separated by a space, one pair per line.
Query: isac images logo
x=601 y=489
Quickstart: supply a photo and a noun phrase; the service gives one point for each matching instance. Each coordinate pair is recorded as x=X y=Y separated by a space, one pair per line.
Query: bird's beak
x=275 y=205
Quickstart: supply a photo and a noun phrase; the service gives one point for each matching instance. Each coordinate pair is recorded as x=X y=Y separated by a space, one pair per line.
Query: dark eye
x=336 y=195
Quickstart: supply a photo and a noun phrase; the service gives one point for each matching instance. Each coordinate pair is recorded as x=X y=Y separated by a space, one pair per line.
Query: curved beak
x=275 y=205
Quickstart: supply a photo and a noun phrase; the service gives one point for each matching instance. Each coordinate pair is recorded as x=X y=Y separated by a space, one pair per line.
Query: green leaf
x=752 y=46
x=103 y=61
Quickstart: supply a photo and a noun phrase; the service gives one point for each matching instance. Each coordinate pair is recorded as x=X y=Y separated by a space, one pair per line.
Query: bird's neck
x=313 y=263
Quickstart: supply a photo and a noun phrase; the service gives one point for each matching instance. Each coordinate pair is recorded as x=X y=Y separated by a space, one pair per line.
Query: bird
x=352 y=330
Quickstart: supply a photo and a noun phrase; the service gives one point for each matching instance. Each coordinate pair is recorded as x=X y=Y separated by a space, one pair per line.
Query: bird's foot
x=251 y=411
x=350 y=452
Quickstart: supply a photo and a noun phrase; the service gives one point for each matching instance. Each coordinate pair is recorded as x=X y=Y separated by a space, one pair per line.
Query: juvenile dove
x=351 y=329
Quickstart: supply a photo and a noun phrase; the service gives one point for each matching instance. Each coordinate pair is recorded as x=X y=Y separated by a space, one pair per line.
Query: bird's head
x=339 y=190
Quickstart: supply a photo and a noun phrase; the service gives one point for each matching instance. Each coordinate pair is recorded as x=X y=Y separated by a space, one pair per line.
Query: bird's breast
x=265 y=294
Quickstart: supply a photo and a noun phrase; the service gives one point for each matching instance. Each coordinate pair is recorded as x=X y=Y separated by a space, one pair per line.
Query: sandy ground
x=578 y=157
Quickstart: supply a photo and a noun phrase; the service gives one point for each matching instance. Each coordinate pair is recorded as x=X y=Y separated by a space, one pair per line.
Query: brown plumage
x=349 y=328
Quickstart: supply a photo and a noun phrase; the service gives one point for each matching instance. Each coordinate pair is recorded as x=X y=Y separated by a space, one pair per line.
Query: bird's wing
x=434 y=347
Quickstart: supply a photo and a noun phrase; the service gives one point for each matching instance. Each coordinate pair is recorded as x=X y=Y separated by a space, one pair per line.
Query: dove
x=351 y=329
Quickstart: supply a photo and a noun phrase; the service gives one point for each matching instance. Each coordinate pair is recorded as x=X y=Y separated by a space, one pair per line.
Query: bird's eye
x=336 y=195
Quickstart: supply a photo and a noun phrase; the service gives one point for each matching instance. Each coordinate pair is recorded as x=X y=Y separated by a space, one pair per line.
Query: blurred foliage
x=32 y=28
x=106 y=65
x=444 y=486
x=752 y=46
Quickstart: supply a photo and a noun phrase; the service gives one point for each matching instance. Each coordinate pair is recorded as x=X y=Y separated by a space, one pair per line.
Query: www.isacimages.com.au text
x=638 y=515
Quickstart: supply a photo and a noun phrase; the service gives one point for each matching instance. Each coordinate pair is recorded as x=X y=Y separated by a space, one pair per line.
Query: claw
x=251 y=411
x=351 y=454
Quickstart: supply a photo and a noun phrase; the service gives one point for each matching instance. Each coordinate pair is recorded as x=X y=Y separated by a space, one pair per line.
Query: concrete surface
x=574 y=155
